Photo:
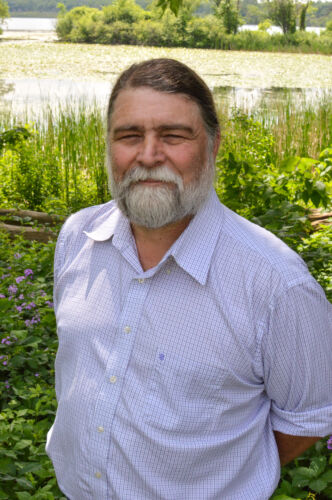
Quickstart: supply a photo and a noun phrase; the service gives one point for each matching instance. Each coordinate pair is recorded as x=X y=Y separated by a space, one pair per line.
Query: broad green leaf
x=24 y=483
x=284 y=497
x=318 y=485
x=318 y=465
x=30 y=467
x=23 y=495
x=327 y=476
x=24 y=443
x=305 y=472
x=290 y=164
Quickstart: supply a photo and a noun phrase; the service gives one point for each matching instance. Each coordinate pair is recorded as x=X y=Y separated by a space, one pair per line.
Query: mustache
x=161 y=174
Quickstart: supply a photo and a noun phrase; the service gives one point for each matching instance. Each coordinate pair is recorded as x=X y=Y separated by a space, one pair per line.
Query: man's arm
x=290 y=447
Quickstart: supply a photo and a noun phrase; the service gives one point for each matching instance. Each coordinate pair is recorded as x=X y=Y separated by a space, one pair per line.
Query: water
x=29 y=97
x=43 y=24
x=29 y=24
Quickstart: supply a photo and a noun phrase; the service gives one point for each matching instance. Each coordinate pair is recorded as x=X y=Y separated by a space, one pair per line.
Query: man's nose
x=150 y=153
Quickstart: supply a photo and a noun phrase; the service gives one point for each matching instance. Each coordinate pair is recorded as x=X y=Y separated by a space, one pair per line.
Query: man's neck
x=152 y=244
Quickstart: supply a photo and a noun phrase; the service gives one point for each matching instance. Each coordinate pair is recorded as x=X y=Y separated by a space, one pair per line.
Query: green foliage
x=310 y=472
x=227 y=10
x=28 y=346
x=274 y=194
x=4 y=12
x=124 y=22
x=59 y=166
x=283 y=13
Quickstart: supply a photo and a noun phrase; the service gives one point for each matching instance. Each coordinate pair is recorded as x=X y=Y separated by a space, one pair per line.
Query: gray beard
x=157 y=206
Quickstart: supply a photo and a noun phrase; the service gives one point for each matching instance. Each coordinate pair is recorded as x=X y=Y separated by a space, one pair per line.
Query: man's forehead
x=145 y=102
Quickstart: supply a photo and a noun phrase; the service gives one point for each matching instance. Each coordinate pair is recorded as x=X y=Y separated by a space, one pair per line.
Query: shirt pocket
x=183 y=395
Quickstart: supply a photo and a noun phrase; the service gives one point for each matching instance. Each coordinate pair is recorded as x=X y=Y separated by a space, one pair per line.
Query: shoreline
x=32 y=36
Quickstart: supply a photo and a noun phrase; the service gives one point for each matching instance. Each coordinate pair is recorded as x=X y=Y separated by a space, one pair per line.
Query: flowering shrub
x=27 y=349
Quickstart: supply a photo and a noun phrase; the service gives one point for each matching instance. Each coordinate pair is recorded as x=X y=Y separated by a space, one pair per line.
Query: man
x=195 y=349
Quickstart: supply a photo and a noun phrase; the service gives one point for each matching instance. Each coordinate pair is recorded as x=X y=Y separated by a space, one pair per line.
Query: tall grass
x=299 y=126
x=61 y=168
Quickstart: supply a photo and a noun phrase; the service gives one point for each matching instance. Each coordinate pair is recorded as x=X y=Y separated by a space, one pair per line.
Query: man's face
x=160 y=160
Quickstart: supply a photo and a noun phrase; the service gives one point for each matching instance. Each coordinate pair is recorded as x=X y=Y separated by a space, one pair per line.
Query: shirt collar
x=192 y=251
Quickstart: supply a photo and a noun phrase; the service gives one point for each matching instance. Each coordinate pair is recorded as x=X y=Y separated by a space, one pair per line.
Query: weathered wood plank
x=30 y=233
x=38 y=216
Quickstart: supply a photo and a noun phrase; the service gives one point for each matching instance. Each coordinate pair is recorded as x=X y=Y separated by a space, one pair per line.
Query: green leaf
x=24 y=483
x=7 y=466
x=290 y=164
x=30 y=467
x=318 y=485
x=305 y=472
x=23 y=495
x=284 y=497
x=24 y=443
x=327 y=476
x=318 y=465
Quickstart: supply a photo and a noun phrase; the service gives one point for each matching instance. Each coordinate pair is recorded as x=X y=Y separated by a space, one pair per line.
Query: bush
x=28 y=346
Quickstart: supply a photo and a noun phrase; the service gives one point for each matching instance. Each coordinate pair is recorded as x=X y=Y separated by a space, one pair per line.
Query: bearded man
x=195 y=349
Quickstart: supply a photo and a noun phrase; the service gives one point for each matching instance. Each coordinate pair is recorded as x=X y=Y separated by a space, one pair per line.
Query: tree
x=4 y=11
x=228 y=11
x=283 y=14
x=174 y=5
x=303 y=14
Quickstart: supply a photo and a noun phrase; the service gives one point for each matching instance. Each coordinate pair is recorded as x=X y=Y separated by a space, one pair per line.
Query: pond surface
x=36 y=73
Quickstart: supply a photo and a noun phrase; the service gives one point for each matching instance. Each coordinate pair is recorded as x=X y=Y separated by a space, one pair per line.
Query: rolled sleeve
x=297 y=359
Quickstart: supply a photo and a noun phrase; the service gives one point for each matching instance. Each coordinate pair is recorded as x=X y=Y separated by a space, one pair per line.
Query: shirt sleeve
x=297 y=361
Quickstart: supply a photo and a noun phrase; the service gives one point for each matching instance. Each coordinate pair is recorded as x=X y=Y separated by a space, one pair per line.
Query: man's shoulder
x=258 y=249
x=88 y=218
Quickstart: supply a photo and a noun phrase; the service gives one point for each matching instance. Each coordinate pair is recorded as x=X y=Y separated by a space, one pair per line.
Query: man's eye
x=129 y=137
x=173 y=137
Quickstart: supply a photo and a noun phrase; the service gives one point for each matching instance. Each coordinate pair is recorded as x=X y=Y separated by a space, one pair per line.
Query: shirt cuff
x=315 y=423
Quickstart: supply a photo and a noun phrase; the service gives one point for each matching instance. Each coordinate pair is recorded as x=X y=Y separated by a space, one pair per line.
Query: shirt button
x=98 y=474
x=100 y=429
x=127 y=329
x=168 y=271
x=113 y=379
x=141 y=280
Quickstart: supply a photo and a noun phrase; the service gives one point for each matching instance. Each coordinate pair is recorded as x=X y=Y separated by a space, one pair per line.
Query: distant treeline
x=126 y=23
x=251 y=11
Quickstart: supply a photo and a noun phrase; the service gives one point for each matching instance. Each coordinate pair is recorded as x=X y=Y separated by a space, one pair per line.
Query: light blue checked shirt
x=170 y=382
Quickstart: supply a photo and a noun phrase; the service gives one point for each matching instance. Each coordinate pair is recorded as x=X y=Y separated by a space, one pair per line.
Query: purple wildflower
x=329 y=443
x=42 y=293
x=12 y=289
x=21 y=296
x=35 y=319
x=9 y=267
x=19 y=279
x=19 y=308
x=4 y=276
x=49 y=303
x=2 y=296
x=17 y=255
x=28 y=272
x=27 y=322
x=36 y=374
x=30 y=306
x=4 y=363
